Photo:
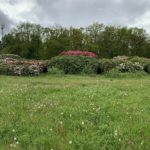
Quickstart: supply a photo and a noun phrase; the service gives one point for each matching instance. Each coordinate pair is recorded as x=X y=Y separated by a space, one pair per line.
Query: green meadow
x=68 y=112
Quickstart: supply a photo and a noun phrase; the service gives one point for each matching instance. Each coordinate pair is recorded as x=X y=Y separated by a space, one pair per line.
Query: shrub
x=145 y=62
x=121 y=58
x=78 y=53
x=6 y=69
x=73 y=64
x=19 y=70
x=11 y=56
x=147 y=68
x=22 y=68
x=104 y=65
x=130 y=67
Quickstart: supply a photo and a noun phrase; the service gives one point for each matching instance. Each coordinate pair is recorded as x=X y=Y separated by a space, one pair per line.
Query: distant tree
x=35 y=42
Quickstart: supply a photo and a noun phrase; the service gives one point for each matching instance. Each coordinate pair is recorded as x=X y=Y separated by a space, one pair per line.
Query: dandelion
x=13 y=130
x=70 y=142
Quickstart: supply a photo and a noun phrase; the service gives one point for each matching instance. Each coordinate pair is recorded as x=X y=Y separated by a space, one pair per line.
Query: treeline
x=37 y=42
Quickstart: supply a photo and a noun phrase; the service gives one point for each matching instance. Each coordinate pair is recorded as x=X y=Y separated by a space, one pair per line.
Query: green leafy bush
x=73 y=64
x=104 y=65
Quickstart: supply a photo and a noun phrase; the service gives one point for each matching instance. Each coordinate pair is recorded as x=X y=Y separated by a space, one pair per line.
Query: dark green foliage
x=74 y=64
x=147 y=68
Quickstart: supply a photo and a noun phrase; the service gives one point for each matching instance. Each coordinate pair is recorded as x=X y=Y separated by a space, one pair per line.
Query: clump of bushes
x=87 y=65
x=125 y=64
x=78 y=53
x=11 y=66
x=74 y=64
x=19 y=70
x=9 y=56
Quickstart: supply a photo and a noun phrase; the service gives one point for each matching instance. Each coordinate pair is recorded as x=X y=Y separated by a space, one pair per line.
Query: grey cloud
x=5 y=20
x=81 y=13
x=85 y=12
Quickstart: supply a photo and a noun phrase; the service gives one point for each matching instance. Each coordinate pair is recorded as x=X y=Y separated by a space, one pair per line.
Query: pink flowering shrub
x=22 y=67
x=78 y=53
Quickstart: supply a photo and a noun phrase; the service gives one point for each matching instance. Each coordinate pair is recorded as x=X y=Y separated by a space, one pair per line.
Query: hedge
x=82 y=64
x=74 y=64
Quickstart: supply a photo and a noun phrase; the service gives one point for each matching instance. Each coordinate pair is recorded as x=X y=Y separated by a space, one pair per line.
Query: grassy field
x=74 y=113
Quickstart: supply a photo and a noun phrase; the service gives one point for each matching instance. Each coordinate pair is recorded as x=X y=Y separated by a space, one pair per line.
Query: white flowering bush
x=130 y=67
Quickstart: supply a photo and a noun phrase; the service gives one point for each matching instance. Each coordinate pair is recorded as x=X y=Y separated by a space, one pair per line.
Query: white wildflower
x=17 y=142
x=115 y=133
x=15 y=138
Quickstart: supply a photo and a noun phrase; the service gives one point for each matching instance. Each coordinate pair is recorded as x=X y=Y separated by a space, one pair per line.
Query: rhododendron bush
x=78 y=53
x=12 y=66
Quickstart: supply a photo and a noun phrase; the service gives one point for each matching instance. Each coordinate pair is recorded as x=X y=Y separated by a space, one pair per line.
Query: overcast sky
x=76 y=12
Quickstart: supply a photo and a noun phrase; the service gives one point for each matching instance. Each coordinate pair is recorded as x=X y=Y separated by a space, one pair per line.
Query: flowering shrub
x=130 y=67
x=78 y=53
x=22 y=68
x=11 y=56
x=120 y=58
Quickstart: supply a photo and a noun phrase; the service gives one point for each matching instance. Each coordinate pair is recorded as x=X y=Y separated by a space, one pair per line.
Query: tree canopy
x=37 y=42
